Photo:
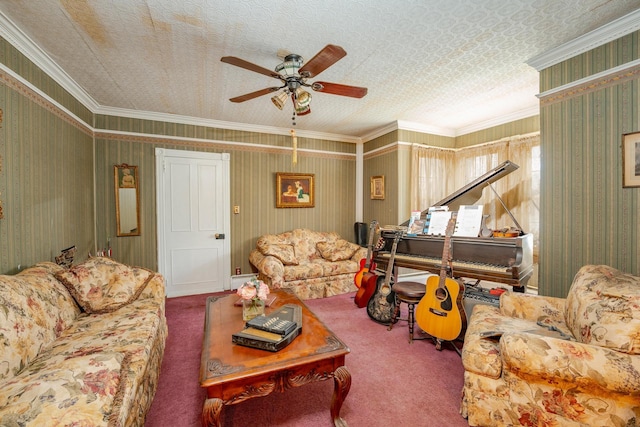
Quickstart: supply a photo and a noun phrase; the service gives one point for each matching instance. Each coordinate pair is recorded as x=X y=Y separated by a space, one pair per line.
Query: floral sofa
x=544 y=361
x=312 y=264
x=80 y=346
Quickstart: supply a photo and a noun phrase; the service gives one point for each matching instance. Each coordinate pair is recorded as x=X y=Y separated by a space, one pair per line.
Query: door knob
x=220 y=236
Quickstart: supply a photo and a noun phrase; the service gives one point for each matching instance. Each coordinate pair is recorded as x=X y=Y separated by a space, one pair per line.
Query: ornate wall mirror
x=127 y=200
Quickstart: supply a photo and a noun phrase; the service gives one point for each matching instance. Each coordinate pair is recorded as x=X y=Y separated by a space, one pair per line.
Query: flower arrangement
x=254 y=294
x=253 y=289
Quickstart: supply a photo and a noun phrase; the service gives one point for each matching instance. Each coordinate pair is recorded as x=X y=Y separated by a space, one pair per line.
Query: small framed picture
x=631 y=159
x=377 y=187
x=294 y=190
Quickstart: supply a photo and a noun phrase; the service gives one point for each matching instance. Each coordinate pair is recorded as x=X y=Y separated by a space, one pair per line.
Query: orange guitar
x=367 y=289
x=367 y=264
x=440 y=312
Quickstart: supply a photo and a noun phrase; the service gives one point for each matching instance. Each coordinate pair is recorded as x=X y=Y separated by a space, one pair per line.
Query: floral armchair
x=544 y=361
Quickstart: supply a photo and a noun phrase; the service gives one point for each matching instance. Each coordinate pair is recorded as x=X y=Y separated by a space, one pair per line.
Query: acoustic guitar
x=440 y=313
x=367 y=264
x=366 y=290
x=382 y=303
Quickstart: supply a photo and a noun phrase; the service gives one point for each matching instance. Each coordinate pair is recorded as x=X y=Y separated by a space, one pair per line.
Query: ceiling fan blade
x=255 y=94
x=328 y=56
x=338 y=89
x=249 y=66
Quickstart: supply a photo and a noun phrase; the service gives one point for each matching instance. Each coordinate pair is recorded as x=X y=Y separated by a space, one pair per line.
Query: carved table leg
x=211 y=412
x=341 y=386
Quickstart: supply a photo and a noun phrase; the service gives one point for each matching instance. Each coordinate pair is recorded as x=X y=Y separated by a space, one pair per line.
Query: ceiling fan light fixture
x=279 y=100
x=289 y=68
x=293 y=76
x=302 y=98
x=301 y=101
x=303 y=111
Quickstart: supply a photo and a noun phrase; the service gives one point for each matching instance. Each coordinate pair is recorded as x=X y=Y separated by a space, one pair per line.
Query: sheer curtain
x=431 y=179
x=437 y=172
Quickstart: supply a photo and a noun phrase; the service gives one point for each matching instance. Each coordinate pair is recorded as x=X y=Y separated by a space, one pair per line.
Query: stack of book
x=272 y=332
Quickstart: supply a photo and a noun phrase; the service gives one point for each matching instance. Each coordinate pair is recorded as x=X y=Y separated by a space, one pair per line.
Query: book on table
x=271 y=332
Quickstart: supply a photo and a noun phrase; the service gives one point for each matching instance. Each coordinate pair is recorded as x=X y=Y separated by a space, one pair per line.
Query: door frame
x=161 y=154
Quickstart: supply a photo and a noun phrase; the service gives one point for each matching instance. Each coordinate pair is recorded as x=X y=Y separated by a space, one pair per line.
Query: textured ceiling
x=445 y=64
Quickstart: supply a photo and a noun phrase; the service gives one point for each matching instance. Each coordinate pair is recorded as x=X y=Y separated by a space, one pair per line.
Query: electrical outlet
x=236 y=209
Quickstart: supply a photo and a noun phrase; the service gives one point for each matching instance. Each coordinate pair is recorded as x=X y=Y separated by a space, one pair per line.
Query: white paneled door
x=193 y=221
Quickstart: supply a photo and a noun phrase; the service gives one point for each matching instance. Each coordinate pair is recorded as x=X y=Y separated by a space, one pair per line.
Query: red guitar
x=366 y=264
x=367 y=289
x=440 y=312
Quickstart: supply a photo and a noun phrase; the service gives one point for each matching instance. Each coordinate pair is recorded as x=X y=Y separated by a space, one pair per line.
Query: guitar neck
x=372 y=229
x=392 y=258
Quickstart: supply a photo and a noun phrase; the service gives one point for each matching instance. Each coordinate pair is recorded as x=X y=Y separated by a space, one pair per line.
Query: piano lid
x=471 y=193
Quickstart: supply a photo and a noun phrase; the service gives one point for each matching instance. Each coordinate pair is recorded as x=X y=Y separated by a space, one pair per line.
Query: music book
x=469 y=221
x=439 y=218
x=416 y=225
x=257 y=332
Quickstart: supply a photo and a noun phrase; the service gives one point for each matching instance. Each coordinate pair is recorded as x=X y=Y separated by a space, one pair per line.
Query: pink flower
x=263 y=291
x=247 y=292
x=253 y=289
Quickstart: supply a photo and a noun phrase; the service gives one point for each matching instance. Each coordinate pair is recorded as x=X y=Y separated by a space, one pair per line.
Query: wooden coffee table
x=232 y=373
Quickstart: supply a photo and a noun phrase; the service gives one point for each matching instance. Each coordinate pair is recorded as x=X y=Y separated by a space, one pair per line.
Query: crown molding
x=433 y=130
x=380 y=131
x=608 y=32
x=422 y=128
x=26 y=46
x=511 y=117
x=410 y=126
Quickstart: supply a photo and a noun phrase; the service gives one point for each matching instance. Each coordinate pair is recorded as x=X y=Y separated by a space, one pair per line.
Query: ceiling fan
x=293 y=75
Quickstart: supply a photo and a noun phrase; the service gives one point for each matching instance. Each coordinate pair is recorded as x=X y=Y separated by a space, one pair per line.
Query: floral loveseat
x=312 y=264
x=80 y=347
x=544 y=361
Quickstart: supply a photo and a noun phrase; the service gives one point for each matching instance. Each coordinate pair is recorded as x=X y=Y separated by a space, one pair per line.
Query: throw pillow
x=102 y=285
x=284 y=253
x=339 y=250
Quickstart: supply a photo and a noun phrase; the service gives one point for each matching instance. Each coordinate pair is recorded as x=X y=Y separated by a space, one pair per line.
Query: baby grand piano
x=501 y=260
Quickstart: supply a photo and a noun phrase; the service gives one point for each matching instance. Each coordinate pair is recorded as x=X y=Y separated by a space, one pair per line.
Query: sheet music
x=438 y=222
x=469 y=221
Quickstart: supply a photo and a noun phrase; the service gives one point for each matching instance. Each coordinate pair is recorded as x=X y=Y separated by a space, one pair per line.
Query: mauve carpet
x=394 y=383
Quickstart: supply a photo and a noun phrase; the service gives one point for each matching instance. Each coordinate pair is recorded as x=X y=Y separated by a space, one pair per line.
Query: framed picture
x=631 y=159
x=377 y=187
x=294 y=190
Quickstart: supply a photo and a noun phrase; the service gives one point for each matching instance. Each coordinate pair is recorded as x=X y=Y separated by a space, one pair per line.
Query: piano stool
x=410 y=293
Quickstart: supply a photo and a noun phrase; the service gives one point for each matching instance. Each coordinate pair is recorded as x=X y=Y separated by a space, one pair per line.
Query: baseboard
x=239 y=279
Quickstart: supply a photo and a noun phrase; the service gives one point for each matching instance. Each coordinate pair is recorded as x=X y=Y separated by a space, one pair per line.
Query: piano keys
x=501 y=260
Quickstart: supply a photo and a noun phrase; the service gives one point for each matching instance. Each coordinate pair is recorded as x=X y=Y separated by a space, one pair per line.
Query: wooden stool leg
x=411 y=321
